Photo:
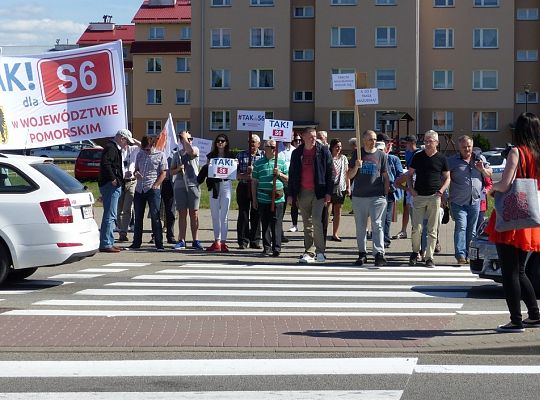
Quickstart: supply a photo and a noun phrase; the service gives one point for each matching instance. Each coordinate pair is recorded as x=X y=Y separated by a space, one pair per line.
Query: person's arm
x=410 y=187
x=445 y=183
x=176 y=164
x=160 y=179
x=386 y=183
x=480 y=165
x=509 y=172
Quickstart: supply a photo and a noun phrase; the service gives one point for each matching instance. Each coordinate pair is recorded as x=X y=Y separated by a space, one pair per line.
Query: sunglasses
x=190 y=139
x=270 y=147
x=297 y=140
x=221 y=141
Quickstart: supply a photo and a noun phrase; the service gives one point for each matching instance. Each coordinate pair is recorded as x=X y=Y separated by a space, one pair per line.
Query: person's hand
x=254 y=204
x=138 y=175
x=327 y=198
x=348 y=192
x=289 y=200
x=115 y=182
x=413 y=192
x=358 y=163
x=276 y=172
x=479 y=166
x=249 y=169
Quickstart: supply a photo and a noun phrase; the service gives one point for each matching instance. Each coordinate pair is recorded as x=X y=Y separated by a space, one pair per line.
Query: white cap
x=126 y=134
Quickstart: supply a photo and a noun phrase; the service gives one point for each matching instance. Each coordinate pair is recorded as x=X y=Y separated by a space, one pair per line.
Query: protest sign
x=279 y=130
x=250 y=120
x=205 y=147
x=222 y=168
x=343 y=81
x=366 y=96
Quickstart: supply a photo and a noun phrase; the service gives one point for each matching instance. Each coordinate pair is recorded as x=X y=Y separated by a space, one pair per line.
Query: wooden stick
x=273 y=205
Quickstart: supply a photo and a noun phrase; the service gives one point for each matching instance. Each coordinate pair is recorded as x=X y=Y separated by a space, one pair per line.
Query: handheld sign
x=250 y=120
x=222 y=168
x=204 y=146
x=343 y=81
x=366 y=96
x=278 y=130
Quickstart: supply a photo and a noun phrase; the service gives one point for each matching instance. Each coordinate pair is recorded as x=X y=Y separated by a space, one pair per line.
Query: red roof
x=178 y=47
x=163 y=14
x=124 y=32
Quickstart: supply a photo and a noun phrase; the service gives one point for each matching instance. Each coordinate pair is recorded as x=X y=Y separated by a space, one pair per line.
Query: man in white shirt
x=125 y=203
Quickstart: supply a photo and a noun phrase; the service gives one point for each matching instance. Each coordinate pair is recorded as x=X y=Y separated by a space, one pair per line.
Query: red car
x=87 y=164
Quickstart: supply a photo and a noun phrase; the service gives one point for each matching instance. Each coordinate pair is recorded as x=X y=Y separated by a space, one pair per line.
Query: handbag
x=518 y=207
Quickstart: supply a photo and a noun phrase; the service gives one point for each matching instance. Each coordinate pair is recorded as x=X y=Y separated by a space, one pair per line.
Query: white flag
x=167 y=141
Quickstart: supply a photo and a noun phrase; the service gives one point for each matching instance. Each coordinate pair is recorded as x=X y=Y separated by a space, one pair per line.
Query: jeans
x=167 y=195
x=272 y=225
x=374 y=208
x=465 y=218
x=153 y=198
x=110 y=195
x=388 y=221
x=248 y=227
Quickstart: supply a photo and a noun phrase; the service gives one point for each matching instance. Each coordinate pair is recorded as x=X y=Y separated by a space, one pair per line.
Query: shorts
x=187 y=198
x=338 y=198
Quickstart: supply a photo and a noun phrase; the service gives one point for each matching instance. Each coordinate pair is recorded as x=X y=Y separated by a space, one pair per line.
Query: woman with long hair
x=513 y=245
x=342 y=185
x=220 y=191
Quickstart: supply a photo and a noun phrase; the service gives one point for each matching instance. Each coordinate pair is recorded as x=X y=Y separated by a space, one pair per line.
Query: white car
x=66 y=150
x=46 y=217
x=497 y=163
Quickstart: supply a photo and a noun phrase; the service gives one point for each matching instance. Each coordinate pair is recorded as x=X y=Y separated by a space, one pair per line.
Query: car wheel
x=5 y=263
x=20 y=274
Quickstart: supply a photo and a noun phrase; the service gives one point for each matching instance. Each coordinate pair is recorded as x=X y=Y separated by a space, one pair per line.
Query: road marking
x=316 y=273
x=478 y=369
x=8 y=292
x=221 y=367
x=486 y=312
x=75 y=276
x=103 y=270
x=308 y=278
x=179 y=303
x=265 y=293
x=126 y=264
x=228 y=395
x=310 y=267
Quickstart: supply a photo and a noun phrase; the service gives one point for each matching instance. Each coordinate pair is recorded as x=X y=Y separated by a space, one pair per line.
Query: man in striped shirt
x=263 y=174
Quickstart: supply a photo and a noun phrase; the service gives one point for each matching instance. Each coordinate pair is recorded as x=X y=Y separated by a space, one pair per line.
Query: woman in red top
x=513 y=245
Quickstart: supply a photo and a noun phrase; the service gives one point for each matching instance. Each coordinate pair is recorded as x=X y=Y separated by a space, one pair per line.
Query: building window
x=485 y=38
x=304 y=55
x=183 y=96
x=303 y=96
x=153 y=64
x=156 y=33
x=386 y=78
x=304 y=12
x=153 y=96
x=220 y=79
x=343 y=2
x=183 y=125
x=443 y=120
x=342 y=120
x=183 y=64
x=443 y=3
x=343 y=36
x=220 y=38
x=261 y=79
x=153 y=127
x=379 y=121
x=484 y=121
x=261 y=3
x=443 y=79
x=532 y=98
x=268 y=115
x=385 y=36
x=185 y=33
x=527 y=55
x=220 y=3
x=527 y=14
x=220 y=120
x=486 y=3
x=485 y=80
x=443 y=38
x=385 y=2
x=262 y=37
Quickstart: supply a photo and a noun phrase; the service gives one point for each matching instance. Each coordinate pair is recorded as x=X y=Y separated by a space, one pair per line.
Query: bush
x=481 y=141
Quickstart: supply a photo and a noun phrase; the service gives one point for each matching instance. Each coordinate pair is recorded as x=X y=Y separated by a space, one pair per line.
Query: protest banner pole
x=361 y=83
x=273 y=205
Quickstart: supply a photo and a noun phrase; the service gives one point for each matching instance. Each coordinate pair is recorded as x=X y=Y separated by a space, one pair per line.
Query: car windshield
x=67 y=183
x=90 y=155
x=495 y=160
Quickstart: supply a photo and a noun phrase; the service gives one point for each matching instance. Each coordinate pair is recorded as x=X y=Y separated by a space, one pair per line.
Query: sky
x=40 y=23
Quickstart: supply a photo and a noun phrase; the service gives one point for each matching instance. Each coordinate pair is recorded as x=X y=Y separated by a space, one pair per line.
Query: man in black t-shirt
x=429 y=166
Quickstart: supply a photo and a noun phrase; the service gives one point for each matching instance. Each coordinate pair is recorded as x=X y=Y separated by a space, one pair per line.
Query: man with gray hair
x=432 y=180
x=467 y=172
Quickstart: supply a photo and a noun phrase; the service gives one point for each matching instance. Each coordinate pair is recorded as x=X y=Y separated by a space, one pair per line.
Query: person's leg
x=182 y=224
x=266 y=215
x=277 y=227
x=472 y=220
x=194 y=224
x=324 y=221
x=125 y=209
x=216 y=217
x=510 y=268
x=294 y=214
x=243 y=199
x=417 y=218
x=377 y=210
x=225 y=204
x=433 y=209
x=319 y=238
x=154 y=202
x=254 y=226
x=388 y=221
x=305 y=200
x=139 y=206
x=337 y=219
x=405 y=216
x=460 y=215
x=104 y=236
x=361 y=213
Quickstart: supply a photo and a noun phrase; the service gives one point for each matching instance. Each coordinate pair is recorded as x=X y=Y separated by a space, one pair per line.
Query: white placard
x=343 y=81
x=250 y=120
x=277 y=129
x=222 y=168
x=366 y=96
x=205 y=147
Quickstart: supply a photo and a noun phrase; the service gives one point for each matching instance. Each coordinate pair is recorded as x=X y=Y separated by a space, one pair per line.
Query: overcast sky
x=40 y=23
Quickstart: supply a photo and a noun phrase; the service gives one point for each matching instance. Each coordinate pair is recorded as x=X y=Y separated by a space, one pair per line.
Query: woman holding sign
x=220 y=191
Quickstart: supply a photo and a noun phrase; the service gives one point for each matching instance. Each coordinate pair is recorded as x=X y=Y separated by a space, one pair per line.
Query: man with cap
x=111 y=178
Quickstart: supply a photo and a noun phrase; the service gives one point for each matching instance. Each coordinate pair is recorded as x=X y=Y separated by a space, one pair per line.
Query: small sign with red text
x=278 y=130
x=222 y=168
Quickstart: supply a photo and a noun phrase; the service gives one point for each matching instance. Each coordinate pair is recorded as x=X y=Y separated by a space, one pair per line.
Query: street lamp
x=527 y=90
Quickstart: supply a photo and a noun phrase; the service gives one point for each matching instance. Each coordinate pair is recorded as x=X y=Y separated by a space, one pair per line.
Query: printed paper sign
x=62 y=96
x=250 y=120
x=343 y=81
x=277 y=129
x=205 y=147
x=366 y=96
x=222 y=168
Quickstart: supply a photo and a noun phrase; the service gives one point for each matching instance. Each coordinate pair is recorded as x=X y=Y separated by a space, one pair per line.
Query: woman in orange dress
x=513 y=245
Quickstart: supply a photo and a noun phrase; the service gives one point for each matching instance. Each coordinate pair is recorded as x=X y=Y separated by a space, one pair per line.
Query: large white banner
x=250 y=120
x=63 y=96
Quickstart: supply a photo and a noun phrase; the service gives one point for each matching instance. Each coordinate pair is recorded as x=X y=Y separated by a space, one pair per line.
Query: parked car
x=485 y=263
x=87 y=163
x=66 y=150
x=497 y=162
x=46 y=217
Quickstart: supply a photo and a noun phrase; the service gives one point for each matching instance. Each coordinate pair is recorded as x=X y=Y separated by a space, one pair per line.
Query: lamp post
x=527 y=90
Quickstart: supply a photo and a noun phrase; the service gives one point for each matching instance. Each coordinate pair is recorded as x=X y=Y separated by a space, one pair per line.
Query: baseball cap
x=126 y=134
x=410 y=139
x=383 y=137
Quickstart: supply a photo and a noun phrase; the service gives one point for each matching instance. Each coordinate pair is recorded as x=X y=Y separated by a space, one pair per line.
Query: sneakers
x=437 y=247
x=361 y=260
x=224 y=247
x=181 y=245
x=413 y=259
x=379 y=260
x=196 y=244
x=320 y=257
x=400 y=235
x=214 y=247
x=123 y=237
x=531 y=323
x=306 y=258
x=293 y=229
x=462 y=261
x=510 y=328
x=421 y=255
x=430 y=263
